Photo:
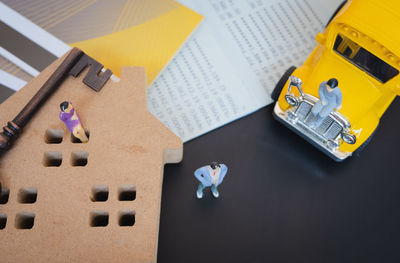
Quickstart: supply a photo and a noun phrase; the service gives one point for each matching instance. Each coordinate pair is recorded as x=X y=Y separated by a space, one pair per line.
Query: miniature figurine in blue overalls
x=330 y=99
x=210 y=175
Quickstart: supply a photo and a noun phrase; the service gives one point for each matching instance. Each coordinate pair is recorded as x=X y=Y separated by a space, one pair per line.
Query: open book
x=230 y=66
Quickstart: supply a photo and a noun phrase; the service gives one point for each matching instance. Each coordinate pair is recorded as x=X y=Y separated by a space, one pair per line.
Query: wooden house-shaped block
x=65 y=201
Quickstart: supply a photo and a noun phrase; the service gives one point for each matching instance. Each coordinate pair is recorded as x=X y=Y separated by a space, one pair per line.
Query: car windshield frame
x=363 y=59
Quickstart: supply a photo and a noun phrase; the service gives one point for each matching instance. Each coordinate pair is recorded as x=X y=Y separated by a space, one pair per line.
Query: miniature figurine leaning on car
x=210 y=175
x=330 y=99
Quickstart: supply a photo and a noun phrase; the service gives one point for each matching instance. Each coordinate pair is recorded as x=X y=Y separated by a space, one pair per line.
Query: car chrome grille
x=329 y=128
x=333 y=132
x=321 y=129
x=303 y=110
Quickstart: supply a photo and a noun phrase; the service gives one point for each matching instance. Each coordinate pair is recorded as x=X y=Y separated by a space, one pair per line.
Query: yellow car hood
x=358 y=87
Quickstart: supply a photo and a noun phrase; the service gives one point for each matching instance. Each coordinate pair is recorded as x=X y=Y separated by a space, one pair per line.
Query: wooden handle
x=14 y=127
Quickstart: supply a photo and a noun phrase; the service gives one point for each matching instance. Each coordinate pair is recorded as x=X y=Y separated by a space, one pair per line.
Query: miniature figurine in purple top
x=210 y=175
x=71 y=118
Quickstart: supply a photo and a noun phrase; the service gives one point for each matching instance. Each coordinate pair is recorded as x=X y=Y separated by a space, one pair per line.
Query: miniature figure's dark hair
x=64 y=105
x=214 y=165
x=333 y=83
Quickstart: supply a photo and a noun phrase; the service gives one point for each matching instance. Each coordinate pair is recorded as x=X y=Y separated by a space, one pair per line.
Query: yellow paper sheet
x=116 y=33
x=150 y=44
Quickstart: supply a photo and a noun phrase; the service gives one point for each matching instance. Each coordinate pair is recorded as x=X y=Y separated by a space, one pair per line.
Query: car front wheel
x=281 y=83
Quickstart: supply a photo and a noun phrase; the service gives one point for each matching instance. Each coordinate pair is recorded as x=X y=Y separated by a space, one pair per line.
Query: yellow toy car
x=360 y=50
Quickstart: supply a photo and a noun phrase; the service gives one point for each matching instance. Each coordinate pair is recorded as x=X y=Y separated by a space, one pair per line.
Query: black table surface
x=282 y=200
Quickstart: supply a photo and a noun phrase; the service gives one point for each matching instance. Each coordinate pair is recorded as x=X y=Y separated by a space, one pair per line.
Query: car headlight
x=291 y=100
x=349 y=138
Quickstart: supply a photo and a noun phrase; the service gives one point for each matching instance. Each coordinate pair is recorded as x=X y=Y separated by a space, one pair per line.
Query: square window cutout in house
x=3 y=221
x=99 y=218
x=126 y=218
x=24 y=220
x=126 y=193
x=79 y=158
x=4 y=195
x=53 y=136
x=76 y=140
x=51 y=159
x=27 y=195
x=99 y=193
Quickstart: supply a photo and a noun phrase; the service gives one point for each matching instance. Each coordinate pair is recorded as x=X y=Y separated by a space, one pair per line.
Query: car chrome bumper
x=289 y=120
